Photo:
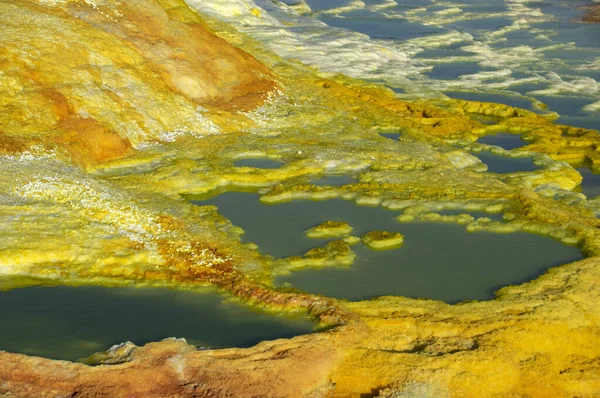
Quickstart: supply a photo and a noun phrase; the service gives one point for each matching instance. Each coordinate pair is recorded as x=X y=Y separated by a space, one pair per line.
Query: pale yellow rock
x=381 y=240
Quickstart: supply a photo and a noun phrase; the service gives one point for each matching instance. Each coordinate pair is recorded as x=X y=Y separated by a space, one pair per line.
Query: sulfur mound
x=330 y=229
x=382 y=240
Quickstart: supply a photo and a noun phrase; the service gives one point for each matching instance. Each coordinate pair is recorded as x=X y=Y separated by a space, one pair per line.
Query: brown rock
x=593 y=14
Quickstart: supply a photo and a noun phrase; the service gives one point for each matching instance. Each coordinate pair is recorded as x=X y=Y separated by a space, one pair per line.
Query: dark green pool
x=438 y=260
x=71 y=323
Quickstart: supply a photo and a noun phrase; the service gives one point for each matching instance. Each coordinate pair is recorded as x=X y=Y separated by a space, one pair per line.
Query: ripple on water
x=71 y=323
x=438 y=260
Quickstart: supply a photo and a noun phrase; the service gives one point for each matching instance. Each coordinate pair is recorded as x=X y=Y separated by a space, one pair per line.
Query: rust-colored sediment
x=166 y=55
x=592 y=15
x=169 y=369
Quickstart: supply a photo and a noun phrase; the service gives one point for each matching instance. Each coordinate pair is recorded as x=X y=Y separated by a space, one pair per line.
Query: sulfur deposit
x=330 y=229
x=111 y=110
x=382 y=240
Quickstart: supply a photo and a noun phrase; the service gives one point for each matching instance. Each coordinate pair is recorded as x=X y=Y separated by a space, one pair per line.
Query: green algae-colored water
x=505 y=164
x=438 y=260
x=74 y=322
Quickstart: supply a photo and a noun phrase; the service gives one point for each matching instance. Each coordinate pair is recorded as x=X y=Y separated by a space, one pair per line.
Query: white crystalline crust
x=295 y=33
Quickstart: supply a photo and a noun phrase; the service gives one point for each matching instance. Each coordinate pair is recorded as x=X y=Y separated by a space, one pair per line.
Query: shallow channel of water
x=74 y=322
x=438 y=260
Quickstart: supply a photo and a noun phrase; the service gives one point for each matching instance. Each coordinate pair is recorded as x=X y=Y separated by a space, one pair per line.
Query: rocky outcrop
x=592 y=15
x=92 y=77
x=539 y=340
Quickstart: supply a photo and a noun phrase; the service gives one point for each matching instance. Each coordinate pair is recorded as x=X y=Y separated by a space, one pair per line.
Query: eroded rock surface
x=95 y=77
x=329 y=229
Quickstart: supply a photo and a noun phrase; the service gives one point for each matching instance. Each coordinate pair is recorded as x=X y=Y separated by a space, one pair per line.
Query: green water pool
x=70 y=323
x=438 y=260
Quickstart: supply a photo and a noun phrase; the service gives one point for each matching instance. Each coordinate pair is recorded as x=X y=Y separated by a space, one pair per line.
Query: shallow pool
x=590 y=186
x=504 y=140
x=506 y=164
x=438 y=260
x=259 y=163
x=391 y=136
x=71 y=323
